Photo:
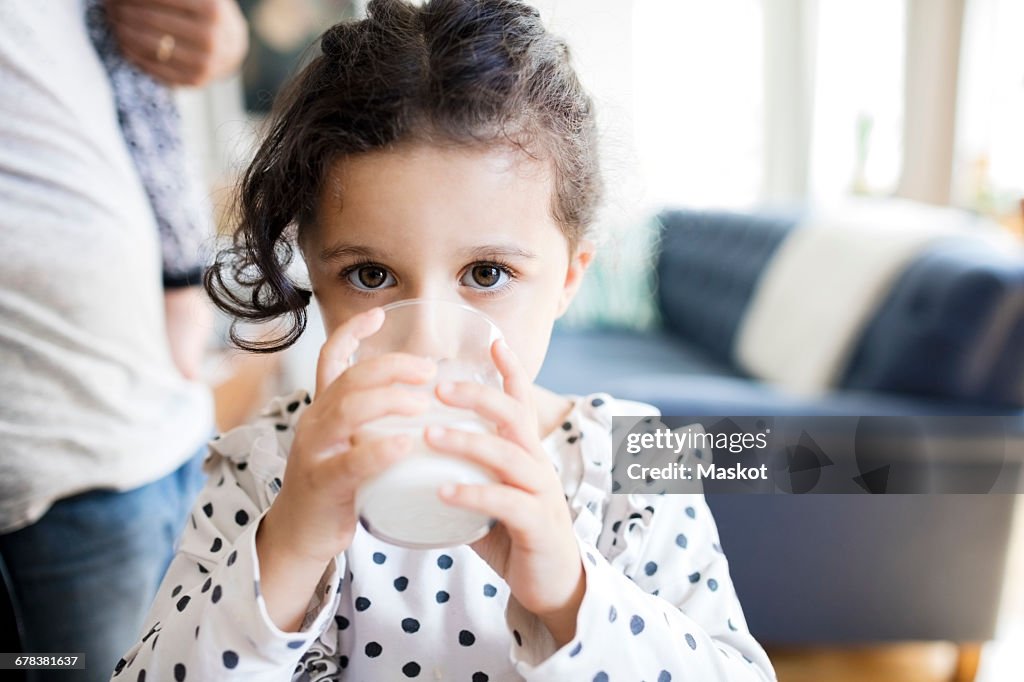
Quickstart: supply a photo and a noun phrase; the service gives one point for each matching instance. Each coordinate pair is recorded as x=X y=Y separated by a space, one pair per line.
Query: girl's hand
x=314 y=514
x=533 y=547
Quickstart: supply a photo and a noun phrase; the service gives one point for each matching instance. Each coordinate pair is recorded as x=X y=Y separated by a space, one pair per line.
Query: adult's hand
x=181 y=42
x=189 y=326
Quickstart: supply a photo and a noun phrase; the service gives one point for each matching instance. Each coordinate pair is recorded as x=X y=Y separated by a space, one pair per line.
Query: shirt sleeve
x=659 y=593
x=209 y=620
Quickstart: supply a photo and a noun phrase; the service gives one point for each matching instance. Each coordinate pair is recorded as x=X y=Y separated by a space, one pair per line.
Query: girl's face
x=464 y=225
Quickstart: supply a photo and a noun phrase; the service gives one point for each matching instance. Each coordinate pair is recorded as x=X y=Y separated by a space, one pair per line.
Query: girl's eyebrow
x=344 y=250
x=339 y=251
x=497 y=251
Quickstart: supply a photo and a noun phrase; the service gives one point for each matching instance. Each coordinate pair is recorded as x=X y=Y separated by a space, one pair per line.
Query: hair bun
x=332 y=43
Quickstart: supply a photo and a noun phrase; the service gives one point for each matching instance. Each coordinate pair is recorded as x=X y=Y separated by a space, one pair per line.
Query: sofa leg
x=968 y=656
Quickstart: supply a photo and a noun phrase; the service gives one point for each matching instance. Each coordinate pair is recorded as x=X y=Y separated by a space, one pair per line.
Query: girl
x=445 y=151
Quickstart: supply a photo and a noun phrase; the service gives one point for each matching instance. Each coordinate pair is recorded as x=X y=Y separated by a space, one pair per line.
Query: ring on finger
x=165 y=48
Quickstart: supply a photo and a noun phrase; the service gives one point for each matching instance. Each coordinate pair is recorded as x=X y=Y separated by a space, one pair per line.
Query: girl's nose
x=431 y=328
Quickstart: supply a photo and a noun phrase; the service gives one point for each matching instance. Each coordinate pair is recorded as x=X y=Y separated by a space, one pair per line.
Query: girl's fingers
x=507 y=460
x=507 y=413
x=386 y=369
x=341 y=343
x=515 y=508
x=368 y=458
x=517 y=383
x=359 y=407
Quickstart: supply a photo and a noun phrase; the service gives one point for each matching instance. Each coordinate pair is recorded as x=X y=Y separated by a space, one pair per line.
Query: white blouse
x=659 y=604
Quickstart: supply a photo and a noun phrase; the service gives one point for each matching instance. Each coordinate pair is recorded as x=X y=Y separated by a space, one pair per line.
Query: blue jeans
x=84 y=575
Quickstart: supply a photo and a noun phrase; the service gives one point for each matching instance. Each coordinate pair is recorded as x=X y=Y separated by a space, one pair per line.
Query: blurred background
x=736 y=133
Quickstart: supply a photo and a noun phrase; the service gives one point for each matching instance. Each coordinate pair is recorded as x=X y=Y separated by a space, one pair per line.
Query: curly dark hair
x=463 y=72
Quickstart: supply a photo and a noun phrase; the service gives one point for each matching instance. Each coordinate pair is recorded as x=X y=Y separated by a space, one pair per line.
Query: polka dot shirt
x=658 y=604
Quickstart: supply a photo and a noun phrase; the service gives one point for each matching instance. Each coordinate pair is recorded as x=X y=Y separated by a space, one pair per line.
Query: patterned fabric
x=151 y=124
x=658 y=605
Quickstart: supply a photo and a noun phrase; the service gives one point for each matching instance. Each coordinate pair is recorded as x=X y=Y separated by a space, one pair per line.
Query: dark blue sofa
x=833 y=568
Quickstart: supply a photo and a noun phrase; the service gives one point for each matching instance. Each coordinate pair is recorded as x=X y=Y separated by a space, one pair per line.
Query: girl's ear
x=579 y=261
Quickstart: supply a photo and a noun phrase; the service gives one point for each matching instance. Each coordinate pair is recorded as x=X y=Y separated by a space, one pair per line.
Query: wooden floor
x=926 y=662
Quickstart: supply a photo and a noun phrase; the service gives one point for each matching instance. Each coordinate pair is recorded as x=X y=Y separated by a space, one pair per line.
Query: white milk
x=401 y=506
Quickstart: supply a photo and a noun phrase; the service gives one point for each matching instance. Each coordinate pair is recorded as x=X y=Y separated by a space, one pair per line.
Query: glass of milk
x=400 y=505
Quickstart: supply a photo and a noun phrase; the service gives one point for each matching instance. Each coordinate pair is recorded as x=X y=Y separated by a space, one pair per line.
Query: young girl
x=444 y=151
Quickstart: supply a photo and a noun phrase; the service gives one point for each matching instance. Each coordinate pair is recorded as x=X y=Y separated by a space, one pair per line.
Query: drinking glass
x=400 y=505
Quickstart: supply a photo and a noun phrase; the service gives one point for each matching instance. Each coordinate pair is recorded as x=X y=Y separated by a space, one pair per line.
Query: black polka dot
x=576 y=649
x=217 y=544
x=519 y=637
x=490 y=590
x=612 y=614
x=230 y=659
x=293 y=406
x=410 y=625
x=142 y=676
x=401 y=583
x=601 y=677
x=712 y=584
x=480 y=677
x=183 y=602
x=120 y=666
x=695 y=577
x=681 y=540
x=295 y=644
x=341 y=621
x=664 y=676
x=343 y=661
x=378 y=557
x=215 y=596
x=362 y=603
x=636 y=625
x=307 y=399
x=206 y=585
x=615 y=526
x=466 y=638
x=208 y=509
x=411 y=669
x=281 y=427
x=241 y=517
x=691 y=512
x=176 y=590
x=197 y=632
x=571 y=439
x=444 y=561
x=179 y=672
x=691 y=641
x=597 y=402
x=373 y=649
x=650 y=568
x=441 y=597
x=591 y=559
x=241 y=466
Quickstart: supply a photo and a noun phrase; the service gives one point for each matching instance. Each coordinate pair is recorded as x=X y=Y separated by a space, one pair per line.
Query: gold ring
x=165 y=48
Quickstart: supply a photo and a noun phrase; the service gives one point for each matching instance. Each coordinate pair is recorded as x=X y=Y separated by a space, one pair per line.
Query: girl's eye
x=485 y=276
x=368 y=277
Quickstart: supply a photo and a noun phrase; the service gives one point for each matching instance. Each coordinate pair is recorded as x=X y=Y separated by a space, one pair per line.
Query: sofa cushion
x=952 y=326
x=583 y=362
x=708 y=265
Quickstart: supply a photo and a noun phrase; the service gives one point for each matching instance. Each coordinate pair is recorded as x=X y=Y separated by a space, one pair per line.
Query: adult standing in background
x=102 y=419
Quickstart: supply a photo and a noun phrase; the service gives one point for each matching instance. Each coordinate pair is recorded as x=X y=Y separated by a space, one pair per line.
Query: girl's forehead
x=422 y=192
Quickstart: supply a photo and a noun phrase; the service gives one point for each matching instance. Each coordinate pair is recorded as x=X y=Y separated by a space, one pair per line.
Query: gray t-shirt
x=89 y=395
